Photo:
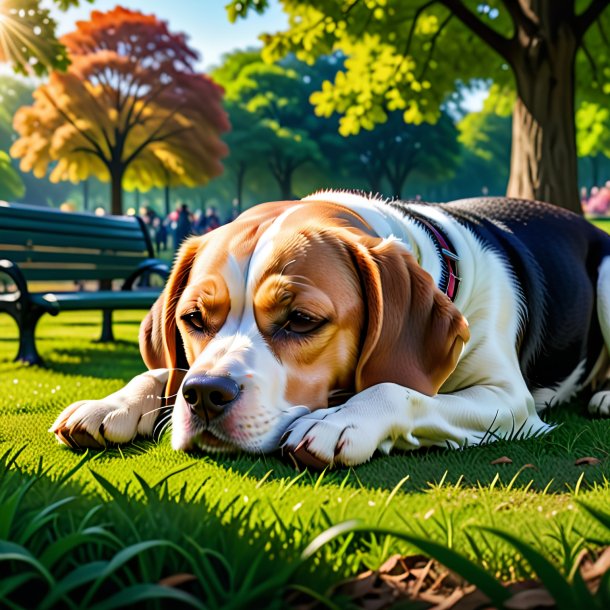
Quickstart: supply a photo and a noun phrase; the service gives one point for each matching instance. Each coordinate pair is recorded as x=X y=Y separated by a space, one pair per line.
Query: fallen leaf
x=175 y=580
x=502 y=460
x=589 y=461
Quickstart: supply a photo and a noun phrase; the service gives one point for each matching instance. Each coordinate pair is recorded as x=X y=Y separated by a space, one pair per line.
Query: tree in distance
x=271 y=102
x=130 y=110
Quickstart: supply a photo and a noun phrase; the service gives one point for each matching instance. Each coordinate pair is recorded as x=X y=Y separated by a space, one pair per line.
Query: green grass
x=256 y=512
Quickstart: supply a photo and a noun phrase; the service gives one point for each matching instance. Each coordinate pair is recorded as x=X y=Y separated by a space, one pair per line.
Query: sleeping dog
x=340 y=324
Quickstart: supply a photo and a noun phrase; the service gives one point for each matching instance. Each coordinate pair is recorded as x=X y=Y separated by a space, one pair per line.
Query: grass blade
x=145 y=592
x=554 y=581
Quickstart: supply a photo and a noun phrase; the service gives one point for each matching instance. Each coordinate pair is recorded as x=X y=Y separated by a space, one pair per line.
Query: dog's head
x=294 y=304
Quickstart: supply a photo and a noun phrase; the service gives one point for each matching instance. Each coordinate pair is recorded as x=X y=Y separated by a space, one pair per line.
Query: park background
x=292 y=132
x=407 y=98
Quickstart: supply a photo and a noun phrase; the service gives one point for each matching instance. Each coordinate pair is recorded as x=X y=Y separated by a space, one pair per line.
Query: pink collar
x=449 y=257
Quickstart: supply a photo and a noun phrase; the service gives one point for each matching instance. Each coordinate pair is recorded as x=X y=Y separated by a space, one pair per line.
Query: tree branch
x=589 y=16
x=433 y=44
x=72 y=122
x=409 y=40
x=488 y=35
x=591 y=61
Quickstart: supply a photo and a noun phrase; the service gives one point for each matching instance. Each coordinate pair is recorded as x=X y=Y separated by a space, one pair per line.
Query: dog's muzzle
x=209 y=396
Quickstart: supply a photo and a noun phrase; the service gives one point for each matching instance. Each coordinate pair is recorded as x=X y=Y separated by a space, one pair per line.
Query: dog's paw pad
x=600 y=404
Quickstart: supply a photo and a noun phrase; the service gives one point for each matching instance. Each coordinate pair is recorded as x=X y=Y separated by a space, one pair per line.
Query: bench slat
x=65 y=255
x=75 y=241
x=39 y=213
x=103 y=299
x=15 y=225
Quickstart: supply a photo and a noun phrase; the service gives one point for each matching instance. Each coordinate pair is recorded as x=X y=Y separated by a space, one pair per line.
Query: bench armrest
x=15 y=274
x=149 y=266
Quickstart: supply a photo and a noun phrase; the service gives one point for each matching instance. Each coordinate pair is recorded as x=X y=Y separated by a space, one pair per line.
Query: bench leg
x=27 y=322
x=107 y=335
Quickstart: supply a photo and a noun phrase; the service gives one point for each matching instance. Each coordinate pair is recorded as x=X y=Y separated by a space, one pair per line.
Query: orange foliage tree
x=130 y=109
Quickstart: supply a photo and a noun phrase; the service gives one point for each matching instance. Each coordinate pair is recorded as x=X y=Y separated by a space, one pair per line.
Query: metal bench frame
x=27 y=307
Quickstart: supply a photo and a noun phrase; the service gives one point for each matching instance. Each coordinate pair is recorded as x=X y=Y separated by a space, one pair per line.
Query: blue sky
x=205 y=22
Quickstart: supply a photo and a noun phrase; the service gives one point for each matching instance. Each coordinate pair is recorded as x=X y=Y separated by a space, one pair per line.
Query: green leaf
x=144 y=592
x=120 y=559
x=9 y=551
x=554 y=581
x=449 y=558
x=62 y=547
x=78 y=577
x=9 y=584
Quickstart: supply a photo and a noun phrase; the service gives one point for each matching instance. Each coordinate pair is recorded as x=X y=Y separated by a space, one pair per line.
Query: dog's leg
x=118 y=418
x=600 y=401
x=388 y=415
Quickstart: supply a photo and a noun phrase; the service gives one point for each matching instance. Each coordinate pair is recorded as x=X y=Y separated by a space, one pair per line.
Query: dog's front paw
x=329 y=437
x=600 y=404
x=96 y=423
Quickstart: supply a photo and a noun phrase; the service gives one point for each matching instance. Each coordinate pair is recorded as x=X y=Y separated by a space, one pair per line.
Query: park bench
x=45 y=245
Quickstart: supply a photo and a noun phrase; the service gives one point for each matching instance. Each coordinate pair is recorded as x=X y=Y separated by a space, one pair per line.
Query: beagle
x=342 y=324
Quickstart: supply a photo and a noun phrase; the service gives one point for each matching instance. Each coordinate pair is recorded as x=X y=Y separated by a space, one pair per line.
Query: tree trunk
x=86 y=195
x=166 y=196
x=543 y=156
x=285 y=184
x=116 y=185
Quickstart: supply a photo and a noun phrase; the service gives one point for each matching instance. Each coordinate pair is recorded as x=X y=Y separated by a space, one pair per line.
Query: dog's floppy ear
x=151 y=336
x=160 y=342
x=415 y=334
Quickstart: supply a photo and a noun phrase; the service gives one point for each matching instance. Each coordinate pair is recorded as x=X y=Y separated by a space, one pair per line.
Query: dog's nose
x=206 y=393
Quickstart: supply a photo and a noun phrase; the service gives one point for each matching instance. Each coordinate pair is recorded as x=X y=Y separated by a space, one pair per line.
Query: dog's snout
x=206 y=393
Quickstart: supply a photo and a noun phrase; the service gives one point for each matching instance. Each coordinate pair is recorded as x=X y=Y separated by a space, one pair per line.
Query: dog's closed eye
x=301 y=323
x=194 y=319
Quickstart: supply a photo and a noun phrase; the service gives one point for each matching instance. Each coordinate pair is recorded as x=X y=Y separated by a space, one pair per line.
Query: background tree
x=11 y=185
x=277 y=100
x=394 y=151
x=130 y=109
x=408 y=54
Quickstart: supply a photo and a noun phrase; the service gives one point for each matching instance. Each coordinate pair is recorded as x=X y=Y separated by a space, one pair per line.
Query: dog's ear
x=160 y=341
x=151 y=336
x=172 y=340
x=415 y=334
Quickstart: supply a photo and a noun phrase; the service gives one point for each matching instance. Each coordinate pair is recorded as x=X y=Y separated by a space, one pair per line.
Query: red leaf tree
x=131 y=109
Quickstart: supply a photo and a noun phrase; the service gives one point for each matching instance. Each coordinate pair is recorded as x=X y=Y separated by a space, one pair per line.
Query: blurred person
x=184 y=225
x=211 y=220
x=160 y=230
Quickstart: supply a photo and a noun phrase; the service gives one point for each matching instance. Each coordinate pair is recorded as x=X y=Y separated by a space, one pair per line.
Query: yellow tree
x=130 y=109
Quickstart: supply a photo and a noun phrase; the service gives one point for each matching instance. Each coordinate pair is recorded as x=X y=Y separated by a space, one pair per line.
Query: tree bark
x=285 y=184
x=116 y=185
x=543 y=155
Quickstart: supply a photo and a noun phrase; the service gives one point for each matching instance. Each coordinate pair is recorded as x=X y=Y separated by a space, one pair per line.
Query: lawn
x=229 y=531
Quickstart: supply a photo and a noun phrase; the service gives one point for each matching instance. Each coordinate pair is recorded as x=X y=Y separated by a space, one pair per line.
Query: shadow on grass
x=117 y=360
x=546 y=463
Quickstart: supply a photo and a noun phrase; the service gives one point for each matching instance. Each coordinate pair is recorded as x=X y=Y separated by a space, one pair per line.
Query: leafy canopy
x=130 y=107
x=408 y=55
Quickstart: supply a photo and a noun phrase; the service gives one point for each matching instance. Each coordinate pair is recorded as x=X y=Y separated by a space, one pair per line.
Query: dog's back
x=555 y=256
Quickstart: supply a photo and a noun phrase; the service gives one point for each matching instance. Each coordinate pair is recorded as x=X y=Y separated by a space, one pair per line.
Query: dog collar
x=450 y=280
